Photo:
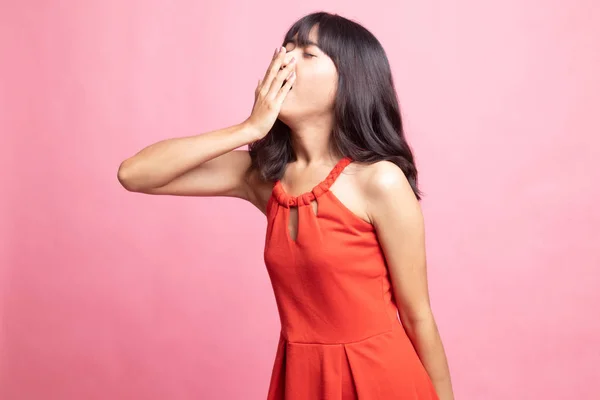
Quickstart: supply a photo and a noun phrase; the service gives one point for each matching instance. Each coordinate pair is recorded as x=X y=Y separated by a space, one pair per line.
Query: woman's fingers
x=272 y=70
x=257 y=90
x=285 y=89
x=270 y=92
x=282 y=75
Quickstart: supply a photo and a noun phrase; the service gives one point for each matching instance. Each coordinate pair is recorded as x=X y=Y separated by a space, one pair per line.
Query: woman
x=329 y=166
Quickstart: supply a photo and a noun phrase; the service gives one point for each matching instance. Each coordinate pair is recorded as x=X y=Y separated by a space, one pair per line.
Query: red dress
x=341 y=337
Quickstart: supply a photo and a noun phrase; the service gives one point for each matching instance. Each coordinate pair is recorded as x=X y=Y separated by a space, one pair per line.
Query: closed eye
x=310 y=55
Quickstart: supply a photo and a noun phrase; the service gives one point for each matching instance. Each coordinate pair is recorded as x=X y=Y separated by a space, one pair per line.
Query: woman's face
x=313 y=93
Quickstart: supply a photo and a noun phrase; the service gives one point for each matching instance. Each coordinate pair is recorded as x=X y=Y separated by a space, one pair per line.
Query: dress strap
x=287 y=200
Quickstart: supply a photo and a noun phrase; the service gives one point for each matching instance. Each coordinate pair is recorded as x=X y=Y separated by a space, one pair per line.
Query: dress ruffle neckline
x=303 y=199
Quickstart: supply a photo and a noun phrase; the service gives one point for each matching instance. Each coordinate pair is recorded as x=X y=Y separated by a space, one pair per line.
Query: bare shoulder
x=376 y=178
x=361 y=183
x=384 y=188
x=384 y=176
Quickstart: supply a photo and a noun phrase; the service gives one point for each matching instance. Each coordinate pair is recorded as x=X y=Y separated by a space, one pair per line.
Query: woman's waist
x=310 y=322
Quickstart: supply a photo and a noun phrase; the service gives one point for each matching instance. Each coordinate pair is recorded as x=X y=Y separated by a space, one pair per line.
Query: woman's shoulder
x=381 y=183
x=377 y=176
x=362 y=185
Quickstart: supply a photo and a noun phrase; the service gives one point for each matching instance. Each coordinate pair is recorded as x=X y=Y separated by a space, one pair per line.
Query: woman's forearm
x=427 y=342
x=161 y=162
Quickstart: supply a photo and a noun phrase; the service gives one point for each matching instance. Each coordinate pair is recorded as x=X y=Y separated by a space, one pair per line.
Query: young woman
x=329 y=166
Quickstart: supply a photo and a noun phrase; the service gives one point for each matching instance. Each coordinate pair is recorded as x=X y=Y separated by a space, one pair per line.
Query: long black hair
x=368 y=125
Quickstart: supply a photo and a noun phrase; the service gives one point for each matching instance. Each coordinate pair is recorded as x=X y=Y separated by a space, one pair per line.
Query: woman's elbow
x=127 y=178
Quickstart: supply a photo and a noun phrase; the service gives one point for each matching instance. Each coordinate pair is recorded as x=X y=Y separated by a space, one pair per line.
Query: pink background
x=105 y=294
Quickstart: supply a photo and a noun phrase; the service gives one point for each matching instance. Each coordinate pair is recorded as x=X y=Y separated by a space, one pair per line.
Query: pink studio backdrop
x=106 y=294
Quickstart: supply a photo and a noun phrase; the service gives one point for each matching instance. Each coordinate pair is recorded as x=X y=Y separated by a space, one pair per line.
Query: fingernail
x=276 y=51
x=293 y=60
x=281 y=49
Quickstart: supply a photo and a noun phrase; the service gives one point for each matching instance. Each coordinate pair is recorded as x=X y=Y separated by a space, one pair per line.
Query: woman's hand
x=270 y=93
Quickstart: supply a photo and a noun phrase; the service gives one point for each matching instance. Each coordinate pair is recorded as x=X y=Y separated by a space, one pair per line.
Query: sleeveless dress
x=340 y=337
